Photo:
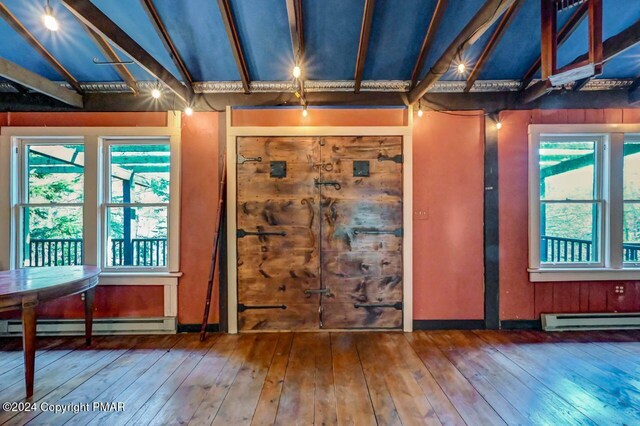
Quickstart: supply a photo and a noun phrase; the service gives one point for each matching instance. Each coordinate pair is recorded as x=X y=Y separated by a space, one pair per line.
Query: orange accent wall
x=318 y=117
x=199 y=203
x=448 y=184
x=519 y=298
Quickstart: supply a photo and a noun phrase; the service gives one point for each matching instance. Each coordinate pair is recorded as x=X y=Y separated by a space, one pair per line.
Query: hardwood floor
x=442 y=377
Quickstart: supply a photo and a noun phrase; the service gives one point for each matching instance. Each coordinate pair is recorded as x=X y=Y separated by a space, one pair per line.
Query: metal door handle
x=242 y=159
x=396 y=305
x=395 y=158
x=333 y=183
x=241 y=233
x=396 y=232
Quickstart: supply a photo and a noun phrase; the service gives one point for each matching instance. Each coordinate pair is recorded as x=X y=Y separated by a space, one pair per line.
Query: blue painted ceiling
x=331 y=37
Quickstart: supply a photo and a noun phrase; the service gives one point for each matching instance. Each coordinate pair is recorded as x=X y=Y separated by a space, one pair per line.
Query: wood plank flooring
x=440 y=377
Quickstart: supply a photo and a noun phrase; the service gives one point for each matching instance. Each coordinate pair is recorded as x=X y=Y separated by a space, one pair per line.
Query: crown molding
x=400 y=86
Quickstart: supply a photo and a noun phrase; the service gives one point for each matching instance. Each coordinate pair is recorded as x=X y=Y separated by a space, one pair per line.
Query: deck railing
x=60 y=252
x=568 y=250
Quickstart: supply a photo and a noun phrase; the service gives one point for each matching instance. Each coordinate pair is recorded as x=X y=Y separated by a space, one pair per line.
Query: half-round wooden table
x=23 y=289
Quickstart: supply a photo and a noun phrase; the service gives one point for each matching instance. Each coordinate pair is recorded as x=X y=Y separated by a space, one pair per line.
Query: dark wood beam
x=156 y=21
x=365 y=32
x=24 y=77
x=438 y=13
x=565 y=32
x=548 y=38
x=490 y=11
x=492 y=43
x=95 y=19
x=111 y=55
x=236 y=47
x=612 y=47
x=39 y=47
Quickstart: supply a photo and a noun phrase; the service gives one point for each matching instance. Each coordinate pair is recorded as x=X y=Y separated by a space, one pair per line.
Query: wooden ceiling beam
x=492 y=44
x=95 y=19
x=33 y=81
x=39 y=47
x=490 y=11
x=112 y=56
x=236 y=46
x=161 y=30
x=365 y=33
x=438 y=13
x=565 y=32
x=611 y=47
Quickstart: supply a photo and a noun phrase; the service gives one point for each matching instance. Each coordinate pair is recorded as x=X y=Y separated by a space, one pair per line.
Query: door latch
x=242 y=159
x=396 y=305
x=395 y=232
x=241 y=233
x=317 y=182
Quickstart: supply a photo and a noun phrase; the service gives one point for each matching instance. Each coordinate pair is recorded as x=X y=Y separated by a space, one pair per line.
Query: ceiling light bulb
x=499 y=125
x=155 y=93
x=188 y=110
x=50 y=21
x=304 y=111
x=297 y=71
x=420 y=112
x=461 y=67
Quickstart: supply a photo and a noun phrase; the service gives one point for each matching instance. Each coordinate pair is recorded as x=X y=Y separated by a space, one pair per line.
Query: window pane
x=631 y=231
x=140 y=173
x=137 y=236
x=55 y=173
x=52 y=236
x=631 y=169
x=568 y=232
x=567 y=170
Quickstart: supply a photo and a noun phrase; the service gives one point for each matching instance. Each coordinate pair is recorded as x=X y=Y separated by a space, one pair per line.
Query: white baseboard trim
x=101 y=326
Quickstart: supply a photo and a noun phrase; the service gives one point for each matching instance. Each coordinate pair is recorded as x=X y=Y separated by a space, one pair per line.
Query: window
x=51 y=203
x=631 y=200
x=570 y=201
x=137 y=203
x=584 y=203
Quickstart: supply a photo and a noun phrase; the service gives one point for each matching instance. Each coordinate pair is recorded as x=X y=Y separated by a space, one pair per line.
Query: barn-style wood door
x=319 y=235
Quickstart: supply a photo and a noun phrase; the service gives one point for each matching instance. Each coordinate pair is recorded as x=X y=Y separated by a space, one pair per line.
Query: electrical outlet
x=421 y=214
x=619 y=289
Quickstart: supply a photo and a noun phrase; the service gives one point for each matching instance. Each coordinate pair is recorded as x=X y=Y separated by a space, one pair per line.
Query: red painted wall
x=519 y=298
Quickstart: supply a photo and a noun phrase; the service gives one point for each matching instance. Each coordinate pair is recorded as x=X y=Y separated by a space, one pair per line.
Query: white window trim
x=10 y=138
x=611 y=267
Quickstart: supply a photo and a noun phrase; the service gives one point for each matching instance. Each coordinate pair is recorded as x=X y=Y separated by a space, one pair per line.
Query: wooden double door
x=319 y=232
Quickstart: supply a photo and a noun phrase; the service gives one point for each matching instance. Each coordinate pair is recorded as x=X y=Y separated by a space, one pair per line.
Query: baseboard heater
x=572 y=322
x=101 y=326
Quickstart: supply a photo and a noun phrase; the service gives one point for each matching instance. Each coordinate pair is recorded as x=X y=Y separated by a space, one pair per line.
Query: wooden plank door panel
x=275 y=270
x=361 y=232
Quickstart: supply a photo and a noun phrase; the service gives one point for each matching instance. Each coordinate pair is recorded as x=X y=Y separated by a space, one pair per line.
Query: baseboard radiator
x=101 y=326
x=613 y=321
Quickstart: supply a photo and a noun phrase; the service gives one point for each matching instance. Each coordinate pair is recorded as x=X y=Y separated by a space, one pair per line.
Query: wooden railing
x=568 y=250
x=60 y=252
x=145 y=252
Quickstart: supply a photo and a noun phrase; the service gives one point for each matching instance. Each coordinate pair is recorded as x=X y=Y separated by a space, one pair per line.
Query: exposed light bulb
x=304 y=111
x=155 y=93
x=188 y=110
x=296 y=71
x=50 y=21
x=461 y=68
x=420 y=112
x=499 y=125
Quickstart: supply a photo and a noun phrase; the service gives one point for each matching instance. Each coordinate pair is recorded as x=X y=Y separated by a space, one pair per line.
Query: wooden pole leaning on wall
x=215 y=250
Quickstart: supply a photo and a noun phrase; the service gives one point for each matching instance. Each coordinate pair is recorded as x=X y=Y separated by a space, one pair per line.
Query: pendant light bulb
x=498 y=125
x=50 y=21
x=297 y=72
x=155 y=93
x=304 y=111
x=461 y=68
x=188 y=111
x=420 y=112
